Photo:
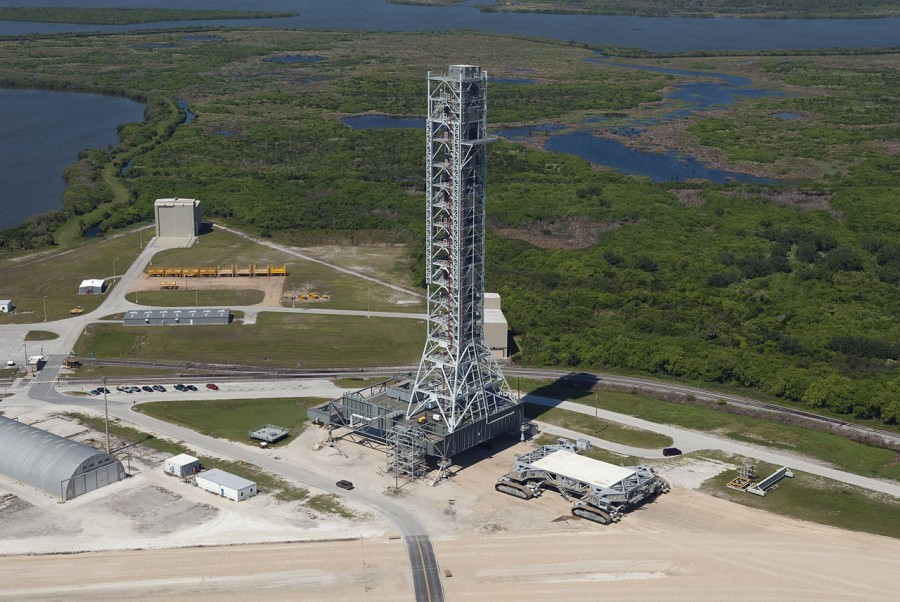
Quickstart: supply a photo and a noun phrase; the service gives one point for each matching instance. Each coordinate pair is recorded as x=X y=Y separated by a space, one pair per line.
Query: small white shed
x=181 y=465
x=226 y=484
x=92 y=286
x=6 y=306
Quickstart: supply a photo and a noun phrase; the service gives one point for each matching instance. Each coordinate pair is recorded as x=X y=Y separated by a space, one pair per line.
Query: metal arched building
x=59 y=466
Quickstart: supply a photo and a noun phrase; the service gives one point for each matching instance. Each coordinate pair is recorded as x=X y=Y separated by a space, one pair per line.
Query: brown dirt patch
x=798 y=199
x=573 y=233
x=689 y=197
x=271 y=287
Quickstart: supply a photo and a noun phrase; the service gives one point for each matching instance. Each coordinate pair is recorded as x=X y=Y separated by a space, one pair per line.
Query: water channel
x=717 y=90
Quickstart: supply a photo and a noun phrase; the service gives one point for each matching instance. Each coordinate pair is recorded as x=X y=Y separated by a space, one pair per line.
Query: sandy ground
x=685 y=545
x=272 y=287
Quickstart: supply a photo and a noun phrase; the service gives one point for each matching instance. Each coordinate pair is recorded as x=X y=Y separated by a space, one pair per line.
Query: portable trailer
x=599 y=491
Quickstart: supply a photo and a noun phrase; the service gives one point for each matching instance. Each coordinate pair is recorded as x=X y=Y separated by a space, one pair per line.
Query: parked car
x=190 y=388
x=212 y=386
x=345 y=484
x=95 y=392
x=159 y=388
x=134 y=389
x=179 y=387
x=10 y=363
x=104 y=390
x=671 y=451
x=147 y=388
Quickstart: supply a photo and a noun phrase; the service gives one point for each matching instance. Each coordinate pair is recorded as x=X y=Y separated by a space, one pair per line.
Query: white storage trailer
x=182 y=465
x=226 y=484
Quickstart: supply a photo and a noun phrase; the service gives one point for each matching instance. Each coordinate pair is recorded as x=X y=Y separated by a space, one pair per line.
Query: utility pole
x=114 y=267
x=596 y=408
x=106 y=412
x=45 y=308
x=196 y=298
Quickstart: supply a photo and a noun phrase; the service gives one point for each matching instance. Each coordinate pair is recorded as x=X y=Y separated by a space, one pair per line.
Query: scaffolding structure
x=406 y=451
x=458 y=377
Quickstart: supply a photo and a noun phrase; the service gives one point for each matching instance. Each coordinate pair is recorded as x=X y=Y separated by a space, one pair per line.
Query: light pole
x=293 y=295
x=106 y=412
x=140 y=239
x=45 y=308
x=114 y=267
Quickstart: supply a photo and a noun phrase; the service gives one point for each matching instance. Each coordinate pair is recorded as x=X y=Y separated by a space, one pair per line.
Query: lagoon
x=41 y=134
x=651 y=33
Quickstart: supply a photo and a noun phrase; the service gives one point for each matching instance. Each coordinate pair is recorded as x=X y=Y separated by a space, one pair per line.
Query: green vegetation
x=265 y=482
x=40 y=335
x=790 y=289
x=53 y=278
x=817 y=499
x=357 y=383
x=124 y=16
x=329 y=503
x=276 y=340
x=836 y=450
x=760 y=9
x=588 y=425
x=233 y=418
x=190 y=297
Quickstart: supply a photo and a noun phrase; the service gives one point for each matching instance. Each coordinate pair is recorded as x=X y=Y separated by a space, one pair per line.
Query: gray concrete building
x=59 y=466
x=178 y=218
x=176 y=317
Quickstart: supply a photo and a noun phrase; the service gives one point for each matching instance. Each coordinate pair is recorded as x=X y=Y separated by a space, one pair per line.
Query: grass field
x=196 y=298
x=838 y=451
x=276 y=340
x=817 y=499
x=233 y=418
x=345 y=290
x=40 y=335
x=603 y=429
x=55 y=277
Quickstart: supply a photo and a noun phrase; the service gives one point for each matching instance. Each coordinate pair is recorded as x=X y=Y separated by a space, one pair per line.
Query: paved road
x=688 y=441
x=423 y=562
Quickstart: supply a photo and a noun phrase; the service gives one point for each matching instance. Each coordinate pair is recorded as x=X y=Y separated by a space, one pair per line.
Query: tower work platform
x=600 y=491
x=458 y=398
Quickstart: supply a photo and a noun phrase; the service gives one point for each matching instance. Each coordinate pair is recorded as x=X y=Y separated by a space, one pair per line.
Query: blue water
x=526 y=131
x=188 y=115
x=383 y=122
x=655 y=34
x=295 y=59
x=124 y=169
x=41 y=134
x=659 y=167
x=786 y=116
x=513 y=80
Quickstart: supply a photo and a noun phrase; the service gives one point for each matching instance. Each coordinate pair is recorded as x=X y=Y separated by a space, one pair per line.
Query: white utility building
x=92 y=286
x=496 y=329
x=181 y=465
x=178 y=218
x=6 y=306
x=226 y=484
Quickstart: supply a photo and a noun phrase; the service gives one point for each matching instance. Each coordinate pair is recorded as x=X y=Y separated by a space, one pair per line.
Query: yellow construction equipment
x=173 y=272
x=190 y=272
x=156 y=272
x=76 y=311
x=170 y=285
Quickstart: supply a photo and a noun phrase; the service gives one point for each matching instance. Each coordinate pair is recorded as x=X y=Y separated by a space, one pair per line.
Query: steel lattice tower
x=457 y=376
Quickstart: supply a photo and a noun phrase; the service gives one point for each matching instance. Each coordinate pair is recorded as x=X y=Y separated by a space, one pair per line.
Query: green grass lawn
x=588 y=425
x=346 y=291
x=197 y=297
x=233 y=418
x=56 y=276
x=813 y=498
x=276 y=340
x=40 y=335
x=838 y=451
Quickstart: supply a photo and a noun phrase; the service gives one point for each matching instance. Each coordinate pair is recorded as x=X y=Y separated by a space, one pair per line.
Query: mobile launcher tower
x=459 y=397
